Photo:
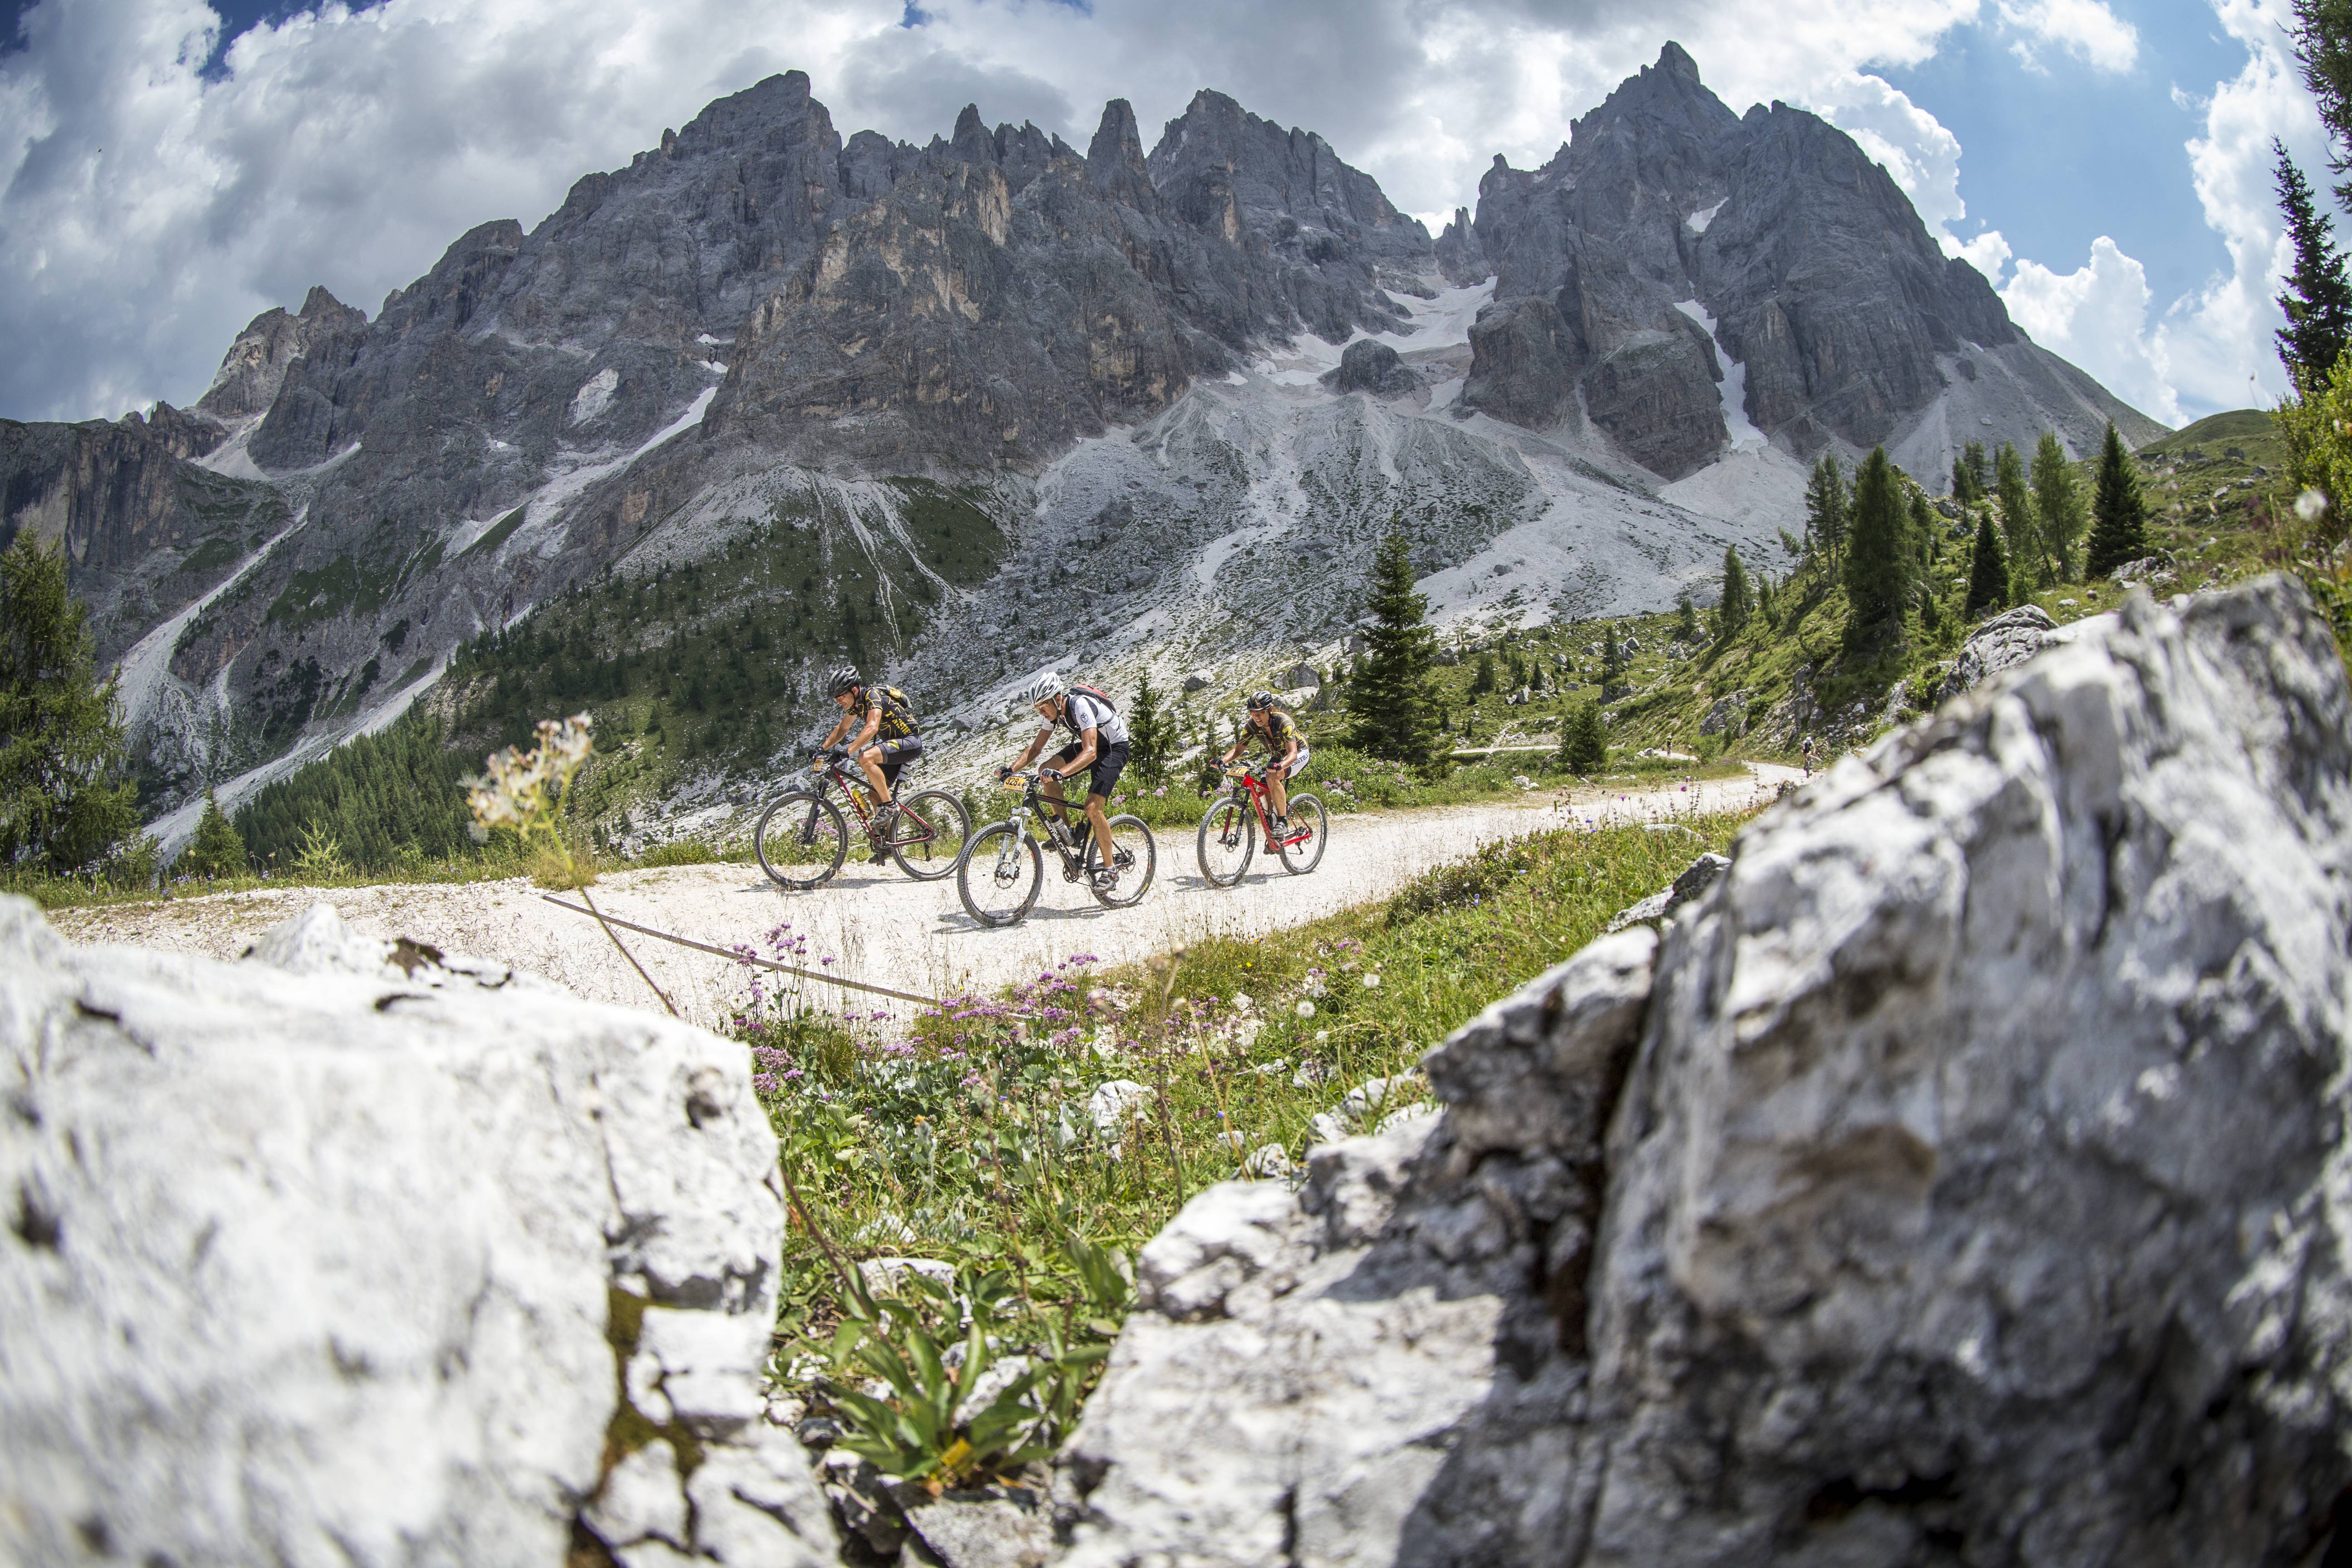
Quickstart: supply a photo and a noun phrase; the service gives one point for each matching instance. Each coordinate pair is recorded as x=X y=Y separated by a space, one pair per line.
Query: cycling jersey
x=1081 y=712
x=1280 y=730
x=897 y=720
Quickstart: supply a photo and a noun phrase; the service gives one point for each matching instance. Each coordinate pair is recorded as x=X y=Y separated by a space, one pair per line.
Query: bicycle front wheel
x=1302 y=847
x=1000 y=874
x=800 y=840
x=1225 y=843
x=1133 y=855
x=927 y=839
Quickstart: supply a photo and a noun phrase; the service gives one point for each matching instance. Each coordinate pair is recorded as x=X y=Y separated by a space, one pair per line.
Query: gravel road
x=875 y=923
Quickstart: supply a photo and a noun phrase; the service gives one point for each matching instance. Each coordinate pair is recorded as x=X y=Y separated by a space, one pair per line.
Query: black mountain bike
x=801 y=838
x=1002 y=870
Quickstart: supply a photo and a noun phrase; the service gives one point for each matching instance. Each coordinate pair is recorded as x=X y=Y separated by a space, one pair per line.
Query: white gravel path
x=875 y=922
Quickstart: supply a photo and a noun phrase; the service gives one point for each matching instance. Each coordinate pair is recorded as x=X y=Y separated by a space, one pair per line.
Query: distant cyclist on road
x=1272 y=727
x=885 y=742
x=1098 y=740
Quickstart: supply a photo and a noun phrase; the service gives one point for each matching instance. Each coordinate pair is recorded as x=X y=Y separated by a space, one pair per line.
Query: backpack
x=1080 y=689
x=895 y=710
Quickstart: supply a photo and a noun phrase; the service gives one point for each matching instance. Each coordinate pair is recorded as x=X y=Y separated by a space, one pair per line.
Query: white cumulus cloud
x=2097 y=317
x=2085 y=30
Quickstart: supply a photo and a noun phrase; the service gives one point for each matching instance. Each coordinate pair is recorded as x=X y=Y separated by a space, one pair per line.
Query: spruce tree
x=216 y=851
x=1612 y=657
x=2020 y=530
x=2118 y=515
x=1825 y=508
x=2057 y=504
x=2318 y=300
x=2322 y=30
x=1879 y=561
x=64 y=802
x=1583 y=739
x=1482 y=680
x=1686 y=620
x=1737 y=604
x=1148 y=733
x=1988 y=573
x=1390 y=697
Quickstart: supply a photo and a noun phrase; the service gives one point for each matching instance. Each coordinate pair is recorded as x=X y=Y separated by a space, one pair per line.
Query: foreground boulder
x=1958 y=1180
x=346 y=1254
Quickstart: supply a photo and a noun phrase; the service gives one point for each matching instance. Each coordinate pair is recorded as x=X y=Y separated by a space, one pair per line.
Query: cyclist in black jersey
x=886 y=740
x=1284 y=744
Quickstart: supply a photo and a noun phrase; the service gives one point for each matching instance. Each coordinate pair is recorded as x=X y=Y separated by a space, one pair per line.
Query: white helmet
x=1045 y=687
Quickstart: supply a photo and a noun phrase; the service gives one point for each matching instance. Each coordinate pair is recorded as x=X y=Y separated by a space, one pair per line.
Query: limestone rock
x=1301 y=677
x=328 y=1259
x=1374 y=367
x=2003 y=642
x=1952 y=1183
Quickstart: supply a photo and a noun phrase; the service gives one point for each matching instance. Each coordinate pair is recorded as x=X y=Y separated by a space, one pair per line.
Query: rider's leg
x=1100 y=823
x=1051 y=790
x=1277 y=777
x=870 y=761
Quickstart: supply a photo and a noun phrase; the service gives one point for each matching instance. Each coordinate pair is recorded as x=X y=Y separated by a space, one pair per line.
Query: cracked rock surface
x=330 y=1257
x=1960 y=1179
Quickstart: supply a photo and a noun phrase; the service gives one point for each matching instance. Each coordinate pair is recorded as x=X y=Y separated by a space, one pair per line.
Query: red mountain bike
x=801 y=838
x=1230 y=831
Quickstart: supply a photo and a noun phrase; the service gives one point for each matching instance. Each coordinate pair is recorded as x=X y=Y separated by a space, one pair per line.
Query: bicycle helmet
x=1260 y=701
x=1045 y=687
x=843 y=679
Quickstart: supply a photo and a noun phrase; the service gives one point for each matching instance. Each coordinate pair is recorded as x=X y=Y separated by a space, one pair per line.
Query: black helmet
x=843 y=679
x=1260 y=701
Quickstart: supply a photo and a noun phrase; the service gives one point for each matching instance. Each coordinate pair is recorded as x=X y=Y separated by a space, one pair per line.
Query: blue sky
x=171 y=169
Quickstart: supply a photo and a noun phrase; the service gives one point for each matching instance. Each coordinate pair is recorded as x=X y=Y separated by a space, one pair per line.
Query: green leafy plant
x=320 y=856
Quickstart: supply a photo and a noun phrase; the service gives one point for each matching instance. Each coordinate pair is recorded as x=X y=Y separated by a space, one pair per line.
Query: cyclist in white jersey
x=1098 y=740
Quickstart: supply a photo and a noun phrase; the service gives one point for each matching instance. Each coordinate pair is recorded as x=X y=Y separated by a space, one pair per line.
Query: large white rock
x=321 y=1257
x=1963 y=1178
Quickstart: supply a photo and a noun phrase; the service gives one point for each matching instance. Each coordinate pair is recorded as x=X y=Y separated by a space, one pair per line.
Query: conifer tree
x=1879 y=562
x=1685 y=620
x=1926 y=537
x=1482 y=680
x=2118 y=514
x=1390 y=697
x=1583 y=739
x=216 y=851
x=2318 y=299
x=2021 y=530
x=1987 y=572
x=1825 y=508
x=2322 y=30
x=64 y=802
x=1737 y=604
x=2057 y=504
x=1612 y=657
x=1148 y=733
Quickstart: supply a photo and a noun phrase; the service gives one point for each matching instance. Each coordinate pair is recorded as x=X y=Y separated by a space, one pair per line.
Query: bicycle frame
x=855 y=788
x=1246 y=783
x=1033 y=801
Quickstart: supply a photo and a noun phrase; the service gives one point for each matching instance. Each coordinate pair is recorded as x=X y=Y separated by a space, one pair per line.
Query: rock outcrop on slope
x=1957 y=1180
x=354 y=1252
x=1820 y=278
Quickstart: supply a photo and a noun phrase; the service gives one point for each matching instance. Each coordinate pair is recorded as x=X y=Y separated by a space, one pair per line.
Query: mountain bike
x=1002 y=870
x=801 y=838
x=1232 y=827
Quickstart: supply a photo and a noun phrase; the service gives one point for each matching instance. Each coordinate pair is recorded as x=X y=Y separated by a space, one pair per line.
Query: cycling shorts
x=894 y=754
x=1274 y=768
x=1108 y=764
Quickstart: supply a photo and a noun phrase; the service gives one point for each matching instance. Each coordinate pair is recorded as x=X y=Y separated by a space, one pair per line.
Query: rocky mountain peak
x=1116 y=167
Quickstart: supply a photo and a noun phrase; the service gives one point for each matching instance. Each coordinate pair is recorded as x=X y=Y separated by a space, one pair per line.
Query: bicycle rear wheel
x=1000 y=874
x=799 y=839
x=1225 y=842
x=1300 y=855
x=1136 y=857
x=927 y=838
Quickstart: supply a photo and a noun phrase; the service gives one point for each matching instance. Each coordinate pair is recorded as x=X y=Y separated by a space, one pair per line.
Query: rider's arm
x=865 y=735
x=1290 y=749
x=1086 y=753
x=1035 y=746
x=832 y=735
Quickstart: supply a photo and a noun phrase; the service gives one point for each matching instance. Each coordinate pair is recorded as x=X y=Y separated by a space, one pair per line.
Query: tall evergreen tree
x=2057 y=504
x=1926 y=537
x=1612 y=657
x=1825 y=508
x=2118 y=514
x=1987 y=572
x=64 y=800
x=2021 y=530
x=2323 y=47
x=1879 y=561
x=1150 y=733
x=1685 y=620
x=1481 y=679
x=216 y=851
x=1389 y=698
x=1737 y=604
x=2318 y=299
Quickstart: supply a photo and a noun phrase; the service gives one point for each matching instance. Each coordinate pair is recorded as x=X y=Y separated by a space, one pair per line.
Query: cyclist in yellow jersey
x=885 y=740
x=1284 y=742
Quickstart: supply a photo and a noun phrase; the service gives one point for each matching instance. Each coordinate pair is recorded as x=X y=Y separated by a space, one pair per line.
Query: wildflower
x=1321 y=1036
x=2311 y=506
x=1371 y=983
x=1305 y=1009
